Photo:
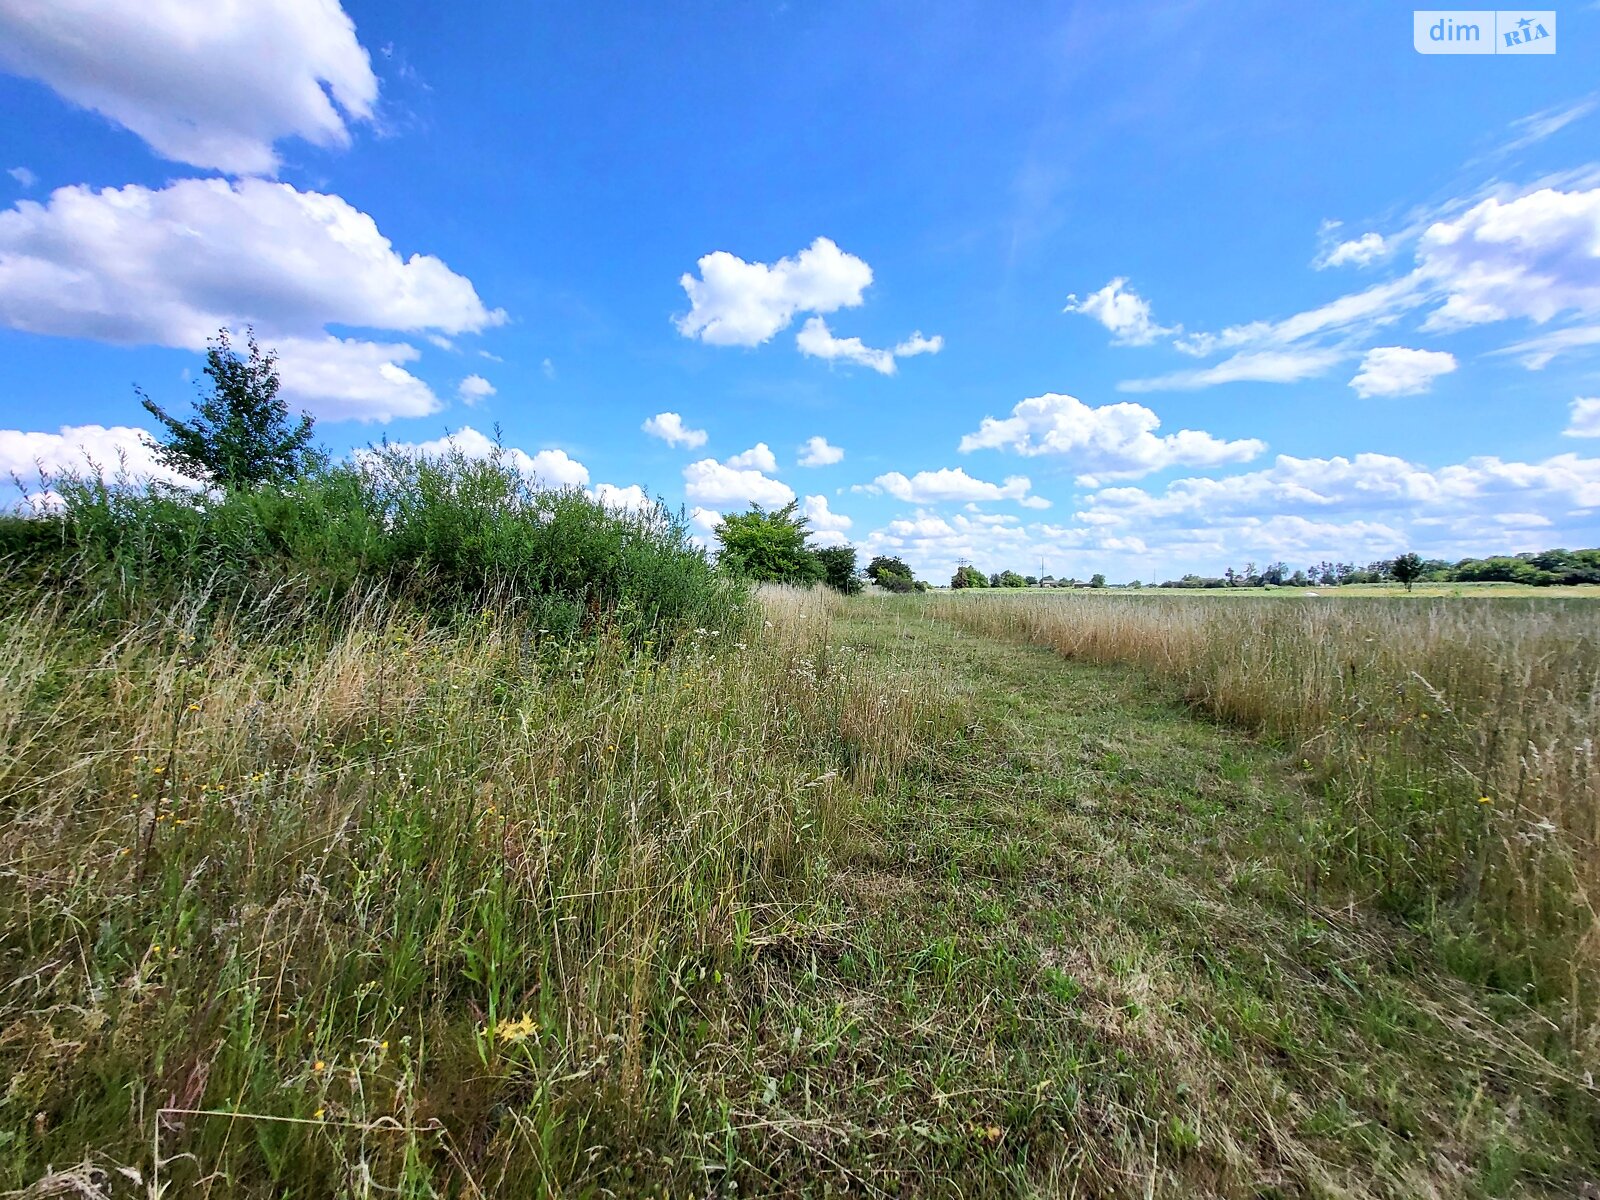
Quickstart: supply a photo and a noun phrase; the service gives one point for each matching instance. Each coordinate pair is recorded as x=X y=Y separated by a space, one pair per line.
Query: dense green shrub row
x=448 y=533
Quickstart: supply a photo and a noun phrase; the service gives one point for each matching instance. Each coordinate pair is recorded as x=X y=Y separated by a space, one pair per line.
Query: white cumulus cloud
x=710 y=483
x=917 y=344
x=952 y=483
x=169 y=266
x=1121 y=310
x=1585 y=418
x=758 y=458
x=1113 y=441
x=81 y=449
x=669 y=427
x=816 y=452
x=1398 y=371
x=24 y=177
x=1534 y=256
x=739 y=303
x=215 y=87
x=816 y=340
x=1357 y=252
x=474 y=388
x=632 y=498
x=552 y=468
x=822 y=517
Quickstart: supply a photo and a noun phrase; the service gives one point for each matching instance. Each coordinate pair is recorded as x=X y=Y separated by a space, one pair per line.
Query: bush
x=769 y=547
x=446 y=534
x=891 y=574
x=839 y=563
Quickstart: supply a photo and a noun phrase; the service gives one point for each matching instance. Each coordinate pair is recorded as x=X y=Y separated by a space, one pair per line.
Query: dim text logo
x=1485 y=31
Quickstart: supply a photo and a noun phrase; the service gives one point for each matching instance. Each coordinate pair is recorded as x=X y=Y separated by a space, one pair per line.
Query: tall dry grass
x=1454 y=741
x=400 y=908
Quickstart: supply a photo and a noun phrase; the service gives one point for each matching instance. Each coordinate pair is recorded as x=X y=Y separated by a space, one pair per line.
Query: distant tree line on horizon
x=1545 y=568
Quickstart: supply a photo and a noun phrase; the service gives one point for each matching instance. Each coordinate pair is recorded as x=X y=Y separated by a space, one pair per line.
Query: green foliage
x=968 y=577
x=1407 y=568
x=448 y=534
x=839 y=565
x=769 y=547
x=1544 y=569
x=891 y=574
x=1097 y=580
x=240 y=435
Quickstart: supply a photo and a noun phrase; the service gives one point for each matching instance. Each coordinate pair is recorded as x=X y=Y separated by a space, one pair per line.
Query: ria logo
x=1487 y=31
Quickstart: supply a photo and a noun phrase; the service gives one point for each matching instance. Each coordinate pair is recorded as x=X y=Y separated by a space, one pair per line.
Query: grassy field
x=892 y=896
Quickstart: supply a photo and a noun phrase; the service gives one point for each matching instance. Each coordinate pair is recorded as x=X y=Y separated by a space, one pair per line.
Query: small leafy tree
x=1097 y=580
x=1407 y=568
x=241 y=434
x=1010 y=579
x=891 y=574
x=769 y=547
x=969 y=577
x=839 y=568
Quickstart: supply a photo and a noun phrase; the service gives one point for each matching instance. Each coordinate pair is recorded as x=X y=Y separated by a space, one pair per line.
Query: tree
x=968 y=577
x=769 y=547
x=241 y=435
x=1097 y=580
x=1407 y=568
x=839 y=568
x=1010 y=579
x=891 y=574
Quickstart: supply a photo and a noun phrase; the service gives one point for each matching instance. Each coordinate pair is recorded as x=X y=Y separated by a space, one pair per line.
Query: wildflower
x=194 y=708
x=317 y=1116
x=318 y=1065
x=156 y=948
x=516 y=1031
x=1484 y=800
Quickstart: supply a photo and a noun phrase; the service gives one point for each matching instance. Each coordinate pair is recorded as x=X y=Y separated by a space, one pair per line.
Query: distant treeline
x=1544 y=569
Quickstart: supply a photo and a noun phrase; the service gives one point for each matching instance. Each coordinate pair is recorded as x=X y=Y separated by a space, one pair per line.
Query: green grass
x=845 y=900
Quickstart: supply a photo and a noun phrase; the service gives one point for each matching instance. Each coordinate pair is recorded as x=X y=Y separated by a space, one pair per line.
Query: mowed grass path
x=1078 y=957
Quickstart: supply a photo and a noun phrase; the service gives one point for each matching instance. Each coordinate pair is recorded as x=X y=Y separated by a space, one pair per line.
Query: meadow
x=434 y=878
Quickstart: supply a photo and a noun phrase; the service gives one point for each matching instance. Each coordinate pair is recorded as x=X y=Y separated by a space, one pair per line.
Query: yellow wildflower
x=516 y=1031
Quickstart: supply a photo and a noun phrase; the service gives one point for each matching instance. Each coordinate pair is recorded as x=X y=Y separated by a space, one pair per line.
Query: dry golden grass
x=1455 y=742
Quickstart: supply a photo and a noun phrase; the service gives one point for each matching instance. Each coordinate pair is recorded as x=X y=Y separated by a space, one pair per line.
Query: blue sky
x=1138 y=289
